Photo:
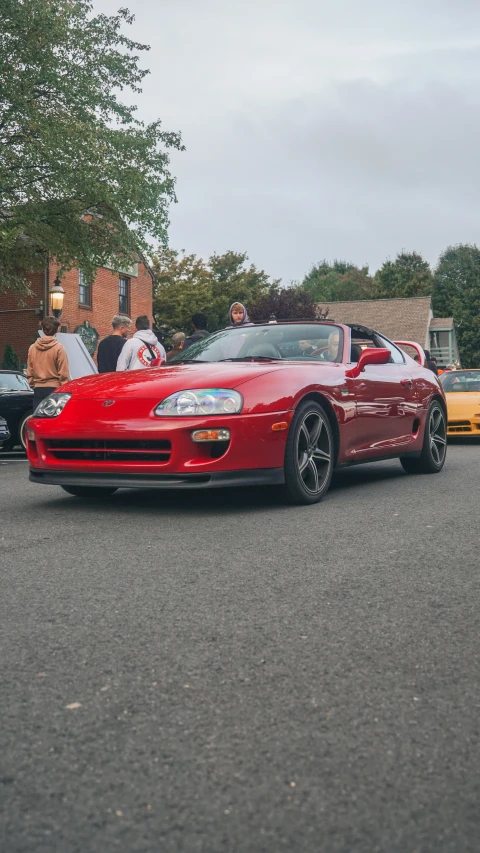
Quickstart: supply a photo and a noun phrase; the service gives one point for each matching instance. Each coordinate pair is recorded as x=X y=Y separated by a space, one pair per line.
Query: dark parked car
x=4 y=432
x=16 y=405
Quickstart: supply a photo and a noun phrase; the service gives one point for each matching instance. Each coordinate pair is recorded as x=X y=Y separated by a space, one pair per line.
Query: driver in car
x=306 y=348
x=331 y=353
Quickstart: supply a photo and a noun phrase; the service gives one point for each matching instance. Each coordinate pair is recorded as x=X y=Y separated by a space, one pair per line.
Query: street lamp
x=57 y=294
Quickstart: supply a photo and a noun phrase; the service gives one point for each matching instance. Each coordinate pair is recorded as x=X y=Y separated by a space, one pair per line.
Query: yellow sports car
x=462 y=390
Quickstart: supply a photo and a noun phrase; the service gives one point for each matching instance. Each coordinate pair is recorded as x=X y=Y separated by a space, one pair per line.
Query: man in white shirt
x=143 y=349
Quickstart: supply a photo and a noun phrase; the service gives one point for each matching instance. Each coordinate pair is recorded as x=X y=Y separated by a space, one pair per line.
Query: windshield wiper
x=188 y=361
x=252 y=358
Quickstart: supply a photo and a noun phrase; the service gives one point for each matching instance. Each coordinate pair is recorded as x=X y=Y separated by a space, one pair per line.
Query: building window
x=123 y=295
x=84 y=290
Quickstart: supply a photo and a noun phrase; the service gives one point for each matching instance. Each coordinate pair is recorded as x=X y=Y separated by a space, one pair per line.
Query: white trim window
x=84 y=290
x=124 y=295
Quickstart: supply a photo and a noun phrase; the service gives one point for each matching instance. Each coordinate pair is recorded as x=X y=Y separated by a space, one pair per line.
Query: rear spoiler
x=415 y=346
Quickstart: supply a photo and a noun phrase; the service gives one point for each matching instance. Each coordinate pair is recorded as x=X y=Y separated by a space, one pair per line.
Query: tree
x=186 y=284
x=337 y=282
x=408 y=275
x=457 y=294
x=11 y=360
x=285 y=303
x=81 y=178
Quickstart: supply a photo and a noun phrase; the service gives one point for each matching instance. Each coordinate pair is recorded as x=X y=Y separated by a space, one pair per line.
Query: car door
x=16 y=399
x=386 y=405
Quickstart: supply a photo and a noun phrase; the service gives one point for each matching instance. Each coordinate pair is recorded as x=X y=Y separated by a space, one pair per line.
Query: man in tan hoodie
x=47 y=363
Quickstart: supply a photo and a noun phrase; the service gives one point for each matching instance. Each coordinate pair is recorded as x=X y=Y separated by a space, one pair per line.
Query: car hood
x=158 y=383
x=462 y=401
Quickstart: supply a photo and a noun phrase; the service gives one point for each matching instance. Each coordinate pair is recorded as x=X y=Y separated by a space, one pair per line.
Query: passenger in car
x=331 y=353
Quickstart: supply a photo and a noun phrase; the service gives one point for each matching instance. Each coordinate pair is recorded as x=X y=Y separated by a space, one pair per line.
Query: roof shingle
x=441 y=323
x=397 y=319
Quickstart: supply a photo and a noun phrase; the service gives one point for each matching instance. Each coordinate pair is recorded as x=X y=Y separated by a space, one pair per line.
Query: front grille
x=459 y=426
x=110 y=450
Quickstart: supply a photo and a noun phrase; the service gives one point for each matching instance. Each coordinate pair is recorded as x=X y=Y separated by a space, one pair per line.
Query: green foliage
x=81 y=178
x=11 y=361
x=408 y=275
x=337 y=282
x=186 y=284
x=457 y=294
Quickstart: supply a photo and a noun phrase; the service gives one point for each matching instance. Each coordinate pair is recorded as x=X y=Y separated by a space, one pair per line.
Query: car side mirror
x=371 y=355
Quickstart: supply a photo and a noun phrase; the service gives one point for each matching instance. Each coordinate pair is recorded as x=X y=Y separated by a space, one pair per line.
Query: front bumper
x=154 y=452
x=211 y=480
x=465 y=427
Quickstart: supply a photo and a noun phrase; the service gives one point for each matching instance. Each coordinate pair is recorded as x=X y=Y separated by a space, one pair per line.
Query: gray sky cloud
x=317 y=129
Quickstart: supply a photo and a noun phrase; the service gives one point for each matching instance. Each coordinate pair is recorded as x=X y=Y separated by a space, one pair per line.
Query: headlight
x=201 y=401
x=51 y=406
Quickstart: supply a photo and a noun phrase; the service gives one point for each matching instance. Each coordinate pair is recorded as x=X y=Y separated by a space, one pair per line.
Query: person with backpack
x=143 y=349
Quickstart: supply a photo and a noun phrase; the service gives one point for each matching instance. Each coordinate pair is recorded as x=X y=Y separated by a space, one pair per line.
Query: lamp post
x=57 y=294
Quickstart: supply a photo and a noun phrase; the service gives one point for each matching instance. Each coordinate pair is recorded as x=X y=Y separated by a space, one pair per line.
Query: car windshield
x=13 y=382
x=315 y=342
x=460 y=380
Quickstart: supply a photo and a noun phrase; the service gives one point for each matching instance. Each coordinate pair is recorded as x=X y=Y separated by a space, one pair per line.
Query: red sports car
x=279 y=403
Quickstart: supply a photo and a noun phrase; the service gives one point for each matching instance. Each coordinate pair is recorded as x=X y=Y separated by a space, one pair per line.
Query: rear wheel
x=309 y=455
x=90 y=491
x=434 y=450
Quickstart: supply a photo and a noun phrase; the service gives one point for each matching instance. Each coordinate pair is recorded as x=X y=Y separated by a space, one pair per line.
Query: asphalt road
x=217 y=672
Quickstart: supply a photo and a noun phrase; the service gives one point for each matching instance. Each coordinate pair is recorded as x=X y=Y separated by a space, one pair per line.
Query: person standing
x=47 y=362
x=178 y=341
x=430 y=363
x=238 y=316
x=143 y=349
x=110 y=348
x=200 y=324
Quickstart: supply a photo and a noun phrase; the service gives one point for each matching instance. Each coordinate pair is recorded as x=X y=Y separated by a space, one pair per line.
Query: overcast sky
x=317 y=128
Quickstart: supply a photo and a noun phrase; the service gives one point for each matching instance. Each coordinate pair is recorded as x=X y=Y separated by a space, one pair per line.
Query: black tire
x=434 y=450
x=89 y=491
x=309 y=455
x=21 y=430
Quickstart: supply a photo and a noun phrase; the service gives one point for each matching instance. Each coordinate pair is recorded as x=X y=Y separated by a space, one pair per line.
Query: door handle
x=407 y=383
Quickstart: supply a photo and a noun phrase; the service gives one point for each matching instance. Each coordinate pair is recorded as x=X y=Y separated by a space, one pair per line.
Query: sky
x=316 y=129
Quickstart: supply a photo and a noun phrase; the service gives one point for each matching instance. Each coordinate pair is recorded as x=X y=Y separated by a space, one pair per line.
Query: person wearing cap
x=178 y=339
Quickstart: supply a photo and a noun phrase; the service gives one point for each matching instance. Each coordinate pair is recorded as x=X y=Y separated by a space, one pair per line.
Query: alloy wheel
x=438 y=435
x=314 y=453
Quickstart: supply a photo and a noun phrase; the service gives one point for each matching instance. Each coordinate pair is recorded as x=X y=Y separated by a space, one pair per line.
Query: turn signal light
x=30 y=434
x=211 y=435
x=279 y=426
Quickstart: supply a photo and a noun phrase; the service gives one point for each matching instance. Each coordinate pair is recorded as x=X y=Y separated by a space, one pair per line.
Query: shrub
x=11 y=360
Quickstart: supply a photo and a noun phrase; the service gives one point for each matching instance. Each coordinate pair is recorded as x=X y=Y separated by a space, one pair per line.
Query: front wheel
x=309 y=455
x=434 y=450
x=21 y=430
x=89 y=491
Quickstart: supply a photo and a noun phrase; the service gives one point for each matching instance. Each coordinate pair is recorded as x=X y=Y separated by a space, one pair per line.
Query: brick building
x=88 y=308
